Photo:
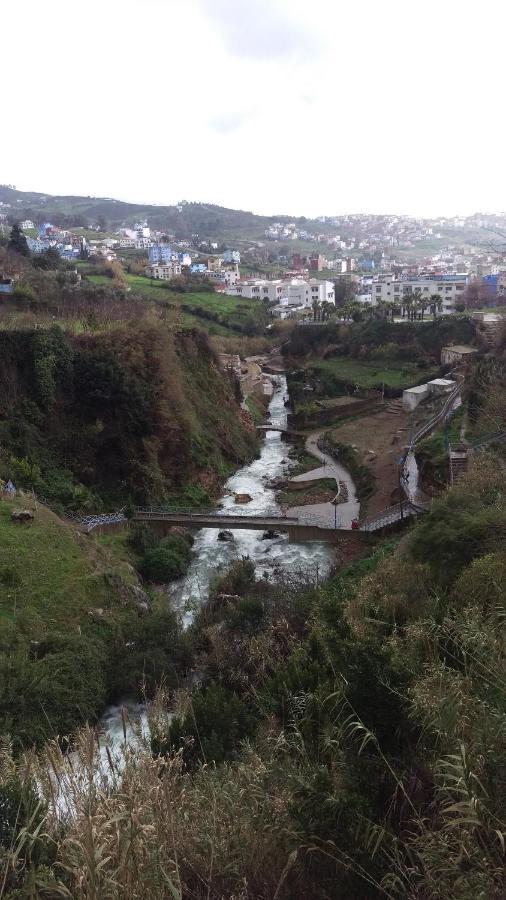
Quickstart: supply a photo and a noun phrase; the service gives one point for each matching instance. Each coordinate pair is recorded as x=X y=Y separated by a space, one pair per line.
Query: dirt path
x=380 y=439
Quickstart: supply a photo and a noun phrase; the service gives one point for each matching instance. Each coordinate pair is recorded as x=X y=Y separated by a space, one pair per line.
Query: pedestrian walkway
x=326 y=513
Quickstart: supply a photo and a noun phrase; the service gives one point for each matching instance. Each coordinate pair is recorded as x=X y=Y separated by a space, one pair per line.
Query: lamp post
x=334 y=502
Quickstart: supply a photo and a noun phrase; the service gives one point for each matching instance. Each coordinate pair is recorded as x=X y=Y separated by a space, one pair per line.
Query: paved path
x=325 y=512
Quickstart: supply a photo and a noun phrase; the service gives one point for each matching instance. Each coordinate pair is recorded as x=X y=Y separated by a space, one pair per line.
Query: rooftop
x=461 y=348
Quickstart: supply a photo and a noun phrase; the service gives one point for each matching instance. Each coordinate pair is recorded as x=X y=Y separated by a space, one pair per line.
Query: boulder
x=96 y=614
x=270 y=535
x=225 y=536
x=183 y=532
x=242 y=498
x=22 y=515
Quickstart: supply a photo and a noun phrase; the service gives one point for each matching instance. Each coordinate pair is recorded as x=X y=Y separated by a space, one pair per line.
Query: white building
x=231 y=256
x=390 y=289
x=143 y=243
x=163 y=271
x=298 y=292
x=142 y=230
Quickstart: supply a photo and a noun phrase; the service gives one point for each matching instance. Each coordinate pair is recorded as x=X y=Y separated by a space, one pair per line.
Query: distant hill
x=204 y=219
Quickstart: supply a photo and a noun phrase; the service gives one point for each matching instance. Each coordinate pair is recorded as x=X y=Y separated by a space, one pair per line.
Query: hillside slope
x=137 y=413
x=206 y=219
x=75 y=628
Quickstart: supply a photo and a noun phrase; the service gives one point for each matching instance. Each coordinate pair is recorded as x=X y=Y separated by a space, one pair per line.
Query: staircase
x=394 y=407
x=490 y=331
x=458 y=464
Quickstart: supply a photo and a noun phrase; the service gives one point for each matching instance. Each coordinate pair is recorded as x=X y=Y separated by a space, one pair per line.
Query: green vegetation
x=255 y=409
x=343 y=740
x=311 y=493
x=366 y=374
x=68 y=614
x=166 y=561
x=134 y=413
x=338 y=358
x=361 y=475
x=219 y=313
x=432 y=453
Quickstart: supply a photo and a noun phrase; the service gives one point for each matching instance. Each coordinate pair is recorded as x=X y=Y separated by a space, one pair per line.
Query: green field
x=372 y=374
x=46 y=572
x=196 y=308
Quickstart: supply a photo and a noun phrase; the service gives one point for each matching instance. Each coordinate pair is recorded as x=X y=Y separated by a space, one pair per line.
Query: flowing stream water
x=212 y=554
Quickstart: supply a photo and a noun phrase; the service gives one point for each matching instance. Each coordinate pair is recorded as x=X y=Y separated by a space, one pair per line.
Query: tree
x=102 y=223
x=345 y=290
x=316 y=310
x=49 y=259
x=17 y=241
x=436 y=304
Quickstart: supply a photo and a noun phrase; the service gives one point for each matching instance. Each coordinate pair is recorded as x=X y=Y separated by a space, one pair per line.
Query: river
x=212 y=555
x=268 y=555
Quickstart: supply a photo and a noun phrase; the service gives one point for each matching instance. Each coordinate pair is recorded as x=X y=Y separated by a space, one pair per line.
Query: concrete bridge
x=298 y=528
x=281 y=430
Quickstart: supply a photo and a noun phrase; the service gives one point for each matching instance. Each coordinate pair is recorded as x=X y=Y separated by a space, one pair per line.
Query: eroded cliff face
x=137 y=413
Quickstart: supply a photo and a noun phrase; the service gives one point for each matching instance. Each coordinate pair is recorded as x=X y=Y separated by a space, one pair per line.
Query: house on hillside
x=163 y=271
x=231 y=256
x=6 y=285
x=458 y=353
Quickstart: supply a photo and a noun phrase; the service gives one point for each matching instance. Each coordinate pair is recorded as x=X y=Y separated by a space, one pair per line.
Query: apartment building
x=391 y=289
x=298 y=291
x=163 y=271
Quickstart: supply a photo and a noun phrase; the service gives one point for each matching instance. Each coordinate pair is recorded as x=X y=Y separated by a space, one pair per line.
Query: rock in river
x=242 y=498
x=225 y=536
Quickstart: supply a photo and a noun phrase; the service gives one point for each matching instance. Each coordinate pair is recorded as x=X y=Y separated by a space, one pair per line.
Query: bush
x=161 y=564
x=362 y=477
x=142 y=538
x=211 y=732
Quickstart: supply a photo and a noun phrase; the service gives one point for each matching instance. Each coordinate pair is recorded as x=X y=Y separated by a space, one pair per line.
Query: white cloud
x=271 y=105
x=262 y=29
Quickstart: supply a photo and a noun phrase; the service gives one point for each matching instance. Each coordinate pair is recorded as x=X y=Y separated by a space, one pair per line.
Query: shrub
x=211 y=731
x=162 y=564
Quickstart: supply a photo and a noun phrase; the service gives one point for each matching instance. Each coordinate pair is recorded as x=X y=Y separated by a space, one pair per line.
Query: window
x=460 y=287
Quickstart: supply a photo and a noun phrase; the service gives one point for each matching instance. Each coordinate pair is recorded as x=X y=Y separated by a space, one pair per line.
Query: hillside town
x=377 y=262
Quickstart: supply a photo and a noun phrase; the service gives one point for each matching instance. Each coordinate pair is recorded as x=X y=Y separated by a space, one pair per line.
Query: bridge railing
x=217 y=513
x=272 y=515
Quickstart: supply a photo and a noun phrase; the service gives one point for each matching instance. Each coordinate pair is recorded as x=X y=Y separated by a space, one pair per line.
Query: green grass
x=54 y=576
x=310 y=492
x=372 y=374
x=255 y=410
x=231 y=310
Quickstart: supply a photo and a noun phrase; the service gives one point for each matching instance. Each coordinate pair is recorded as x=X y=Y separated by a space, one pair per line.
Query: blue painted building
x=491 y=283
x=198 y=268
x=160 y=254
x=6 y=285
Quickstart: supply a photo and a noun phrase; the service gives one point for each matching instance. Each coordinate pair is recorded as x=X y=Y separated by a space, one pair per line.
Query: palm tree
x=407 y=304
x=316 y=310
x=436 y=304
x=419 y=303
x=327 y=309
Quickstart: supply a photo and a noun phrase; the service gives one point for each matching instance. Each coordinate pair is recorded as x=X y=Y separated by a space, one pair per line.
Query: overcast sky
x=278 y=106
